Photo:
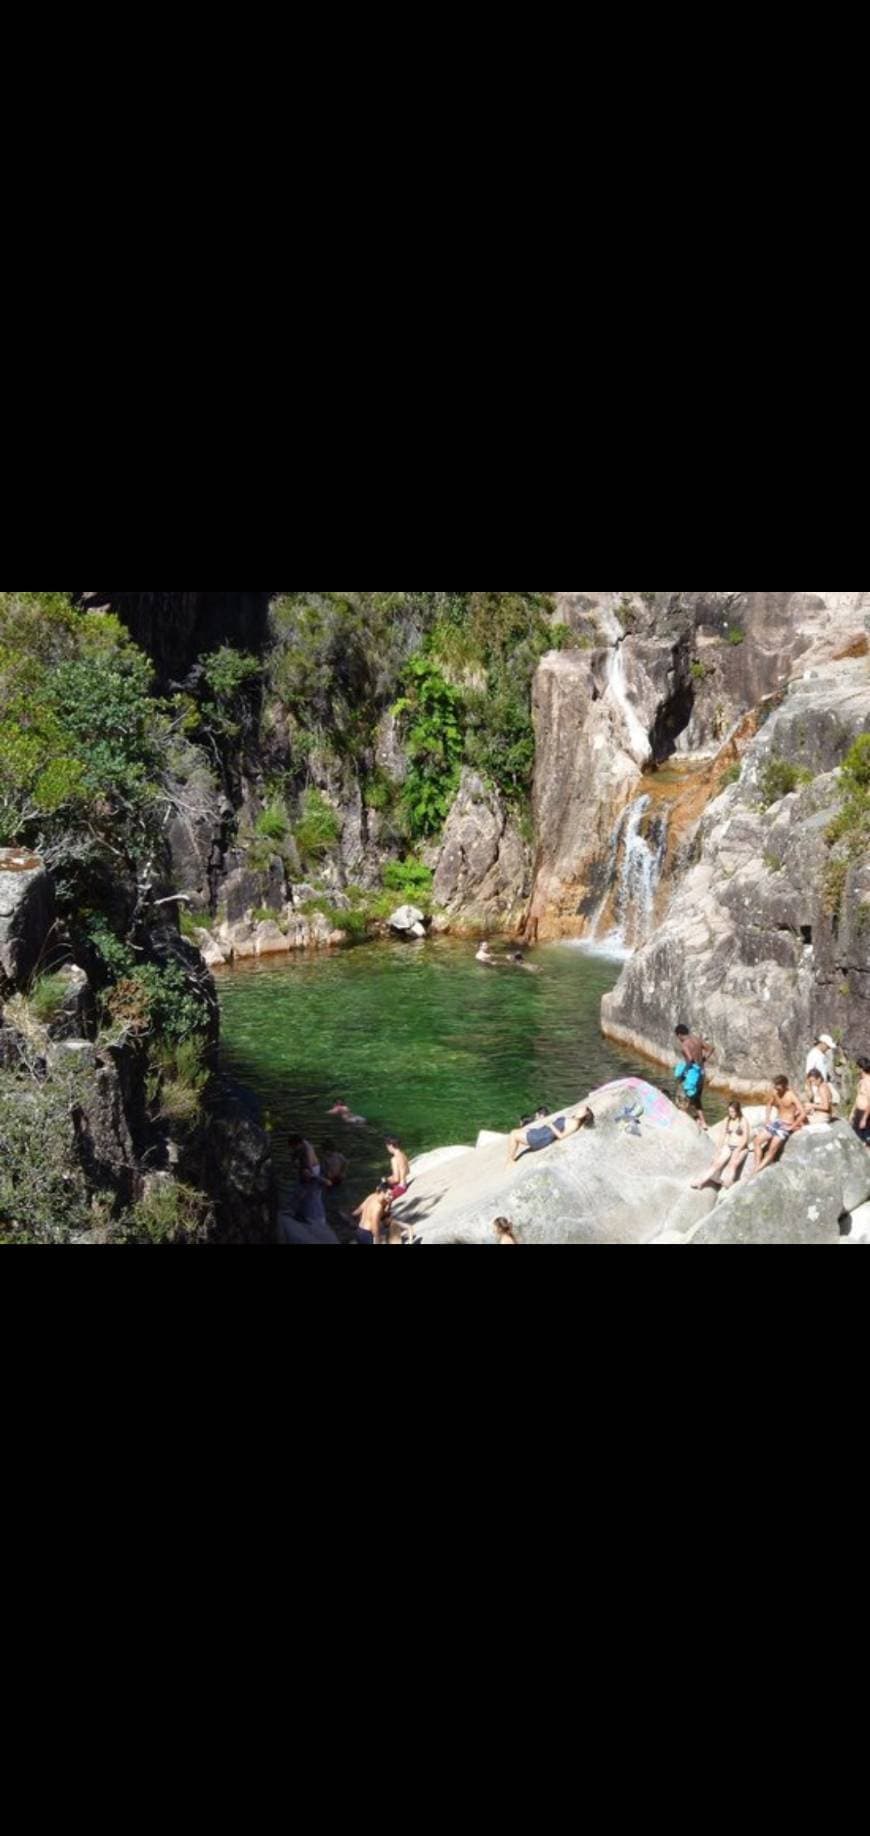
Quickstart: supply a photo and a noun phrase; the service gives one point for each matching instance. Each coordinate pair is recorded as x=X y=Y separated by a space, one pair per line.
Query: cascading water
x=639 y=740
x=639 y=853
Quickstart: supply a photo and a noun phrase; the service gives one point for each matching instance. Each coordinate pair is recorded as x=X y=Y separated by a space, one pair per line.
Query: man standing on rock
x=691 y=1074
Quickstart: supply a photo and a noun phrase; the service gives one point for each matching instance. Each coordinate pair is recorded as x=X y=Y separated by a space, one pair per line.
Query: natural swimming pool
x=420 y=1039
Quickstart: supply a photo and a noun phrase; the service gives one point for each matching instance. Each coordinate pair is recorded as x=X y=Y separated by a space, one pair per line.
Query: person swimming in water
x=485 y=956
x=340 y=1109
x=546 y=1133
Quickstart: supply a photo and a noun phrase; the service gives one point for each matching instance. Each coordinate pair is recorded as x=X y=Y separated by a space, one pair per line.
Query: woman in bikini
x=729 y=1162
x=820 y=1101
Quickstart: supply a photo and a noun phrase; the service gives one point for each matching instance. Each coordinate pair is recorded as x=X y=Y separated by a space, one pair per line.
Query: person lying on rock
x=374 y=1213
x=860 y=1117
x=820 y=1101
x=400 y=1178
x=785 y=1115
x=730 y=1160
x=544 y=1134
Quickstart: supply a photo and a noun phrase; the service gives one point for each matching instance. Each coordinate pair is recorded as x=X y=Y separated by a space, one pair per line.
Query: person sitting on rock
x=785 y=1115
x=691 y=1074
x=820 y=1100
x=374 y=1213
x=544 y=1134
x=401 y=1168
x=860 y=1117
x=505 y=1232
x=730 y=1160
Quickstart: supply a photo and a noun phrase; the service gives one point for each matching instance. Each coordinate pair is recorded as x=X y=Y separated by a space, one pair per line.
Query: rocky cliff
x=766 y=942
x=637 y=726
x=177 y=628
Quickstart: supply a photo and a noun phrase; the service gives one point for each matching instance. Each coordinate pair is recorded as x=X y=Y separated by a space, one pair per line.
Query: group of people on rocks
x=317 y=1174
x=787 y=1112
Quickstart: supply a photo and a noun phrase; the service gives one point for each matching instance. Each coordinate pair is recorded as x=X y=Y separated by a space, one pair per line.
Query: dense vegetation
x=455 y=669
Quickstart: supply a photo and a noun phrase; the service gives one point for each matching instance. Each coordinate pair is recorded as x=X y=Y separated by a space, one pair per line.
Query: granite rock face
x=756 y=950
x=806 y=1198
x=26 y=916
x=483 y=869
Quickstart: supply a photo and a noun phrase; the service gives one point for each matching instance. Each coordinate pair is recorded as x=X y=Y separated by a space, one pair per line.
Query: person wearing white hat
x=822 y=1059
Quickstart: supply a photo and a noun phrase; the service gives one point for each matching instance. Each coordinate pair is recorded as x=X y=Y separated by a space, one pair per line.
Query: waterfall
x=638 y=857
x=639 y=742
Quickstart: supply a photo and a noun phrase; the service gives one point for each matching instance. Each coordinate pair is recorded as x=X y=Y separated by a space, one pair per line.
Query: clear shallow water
x=420 y=1039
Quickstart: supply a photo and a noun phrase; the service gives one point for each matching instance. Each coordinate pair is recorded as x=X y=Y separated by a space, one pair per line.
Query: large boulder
x=809 y=1196
x=620 y=1182
x=483 y=871
x=408 y=921
x=26 y=916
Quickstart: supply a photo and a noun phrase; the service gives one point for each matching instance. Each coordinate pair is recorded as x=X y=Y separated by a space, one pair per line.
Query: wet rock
x=408 y=921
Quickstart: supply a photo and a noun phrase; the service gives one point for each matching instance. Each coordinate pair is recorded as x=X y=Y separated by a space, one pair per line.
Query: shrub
x=780 y=778
x=273 y=825
x=319 y=827
x=171 y=1213
x=46 y=998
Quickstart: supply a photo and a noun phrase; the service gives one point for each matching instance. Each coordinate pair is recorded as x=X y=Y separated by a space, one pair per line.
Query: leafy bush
x=43 y=1190
x=850 y=830
x=780 y=778
x=273 y=824
x=319 y=827
x=46 y=998
x=411 y=880
x=171 y=1213
x=80 y=732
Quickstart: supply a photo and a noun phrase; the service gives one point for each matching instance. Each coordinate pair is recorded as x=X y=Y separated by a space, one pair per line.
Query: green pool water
x=419 y=1039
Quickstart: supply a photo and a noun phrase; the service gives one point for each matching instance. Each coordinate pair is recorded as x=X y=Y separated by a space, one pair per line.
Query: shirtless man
x=785 y=1115
x=860 y=1117
x=374 y=1211
x=505 y=1232
x=544 y=1134
x=485 y=955
x=400 y=1178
